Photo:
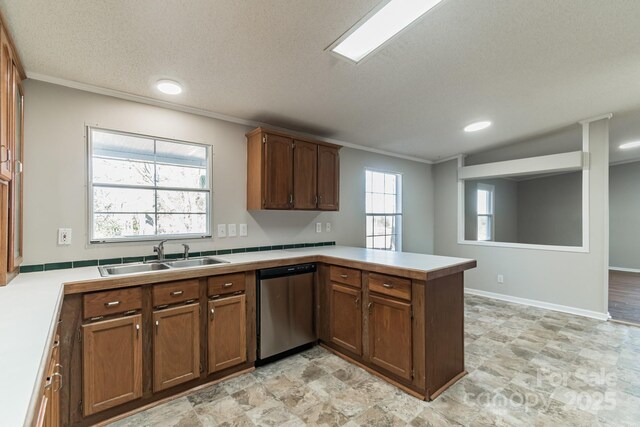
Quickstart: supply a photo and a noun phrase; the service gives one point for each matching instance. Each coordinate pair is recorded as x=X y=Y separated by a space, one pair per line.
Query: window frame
x=90 y=189
x=399 y=211
x=491 y=189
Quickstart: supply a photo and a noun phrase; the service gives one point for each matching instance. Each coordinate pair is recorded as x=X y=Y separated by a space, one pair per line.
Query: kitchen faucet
x=160 y=250
x=186 y=251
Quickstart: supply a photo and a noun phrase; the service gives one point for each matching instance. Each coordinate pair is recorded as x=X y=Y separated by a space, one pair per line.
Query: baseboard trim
x=539 y=304
x=626 y=270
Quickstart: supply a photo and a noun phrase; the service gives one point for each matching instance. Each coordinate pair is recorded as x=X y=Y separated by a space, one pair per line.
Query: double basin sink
x=143 y=267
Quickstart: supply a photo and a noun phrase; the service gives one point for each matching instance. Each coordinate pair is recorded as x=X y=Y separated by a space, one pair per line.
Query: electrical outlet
x=500 y=278
x=232 y=230
x=64 y=236
x=222 y=230
x=318 y=227
x=328 y=227
x=243 y=230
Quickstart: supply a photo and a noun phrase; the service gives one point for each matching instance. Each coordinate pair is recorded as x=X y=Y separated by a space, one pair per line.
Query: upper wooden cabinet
x=11 y=156
x=285 y=172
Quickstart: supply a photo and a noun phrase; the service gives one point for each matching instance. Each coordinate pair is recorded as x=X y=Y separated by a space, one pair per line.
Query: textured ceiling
x=529 y=66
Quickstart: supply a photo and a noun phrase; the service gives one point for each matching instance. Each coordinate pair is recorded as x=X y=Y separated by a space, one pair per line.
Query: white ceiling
x=529 y=66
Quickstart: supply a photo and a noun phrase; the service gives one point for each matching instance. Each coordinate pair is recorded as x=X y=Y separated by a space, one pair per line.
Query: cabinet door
x=111 y=363
x=16 y=185
x=6 y=69
x=328 y=178
x=390 y=335
x=278 y=172
x=345 y=318
x=305 y=175
x=176 y=346
x=227 y=332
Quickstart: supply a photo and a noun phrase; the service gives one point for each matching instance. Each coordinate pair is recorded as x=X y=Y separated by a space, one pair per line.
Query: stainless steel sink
x=195 y=262
x=116 y=270
x=131 y=268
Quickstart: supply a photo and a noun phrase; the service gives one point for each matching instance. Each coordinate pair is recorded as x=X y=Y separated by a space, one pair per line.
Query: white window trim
x=584 y=166
x=398 y=215
x=90 y=186
x=492 y=190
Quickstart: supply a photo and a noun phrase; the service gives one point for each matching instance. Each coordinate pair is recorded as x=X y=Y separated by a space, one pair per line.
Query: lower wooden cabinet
x=49 y=408
x=345 y=317
x=111 y=363
x=176 y=346
x=227 y=343
x=390 y=335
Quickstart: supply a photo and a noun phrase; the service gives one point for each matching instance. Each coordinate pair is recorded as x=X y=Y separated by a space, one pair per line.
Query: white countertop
x=30 y=304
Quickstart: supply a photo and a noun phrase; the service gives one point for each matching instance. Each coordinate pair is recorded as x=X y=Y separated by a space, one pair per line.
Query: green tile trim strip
x=126 y=260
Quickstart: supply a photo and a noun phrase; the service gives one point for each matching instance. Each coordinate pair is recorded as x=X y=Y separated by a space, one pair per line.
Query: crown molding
x=206 y=113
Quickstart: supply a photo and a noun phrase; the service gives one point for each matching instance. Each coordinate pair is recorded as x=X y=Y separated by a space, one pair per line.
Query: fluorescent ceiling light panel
x=474 y=127
x=629 y=145
x=392 y=18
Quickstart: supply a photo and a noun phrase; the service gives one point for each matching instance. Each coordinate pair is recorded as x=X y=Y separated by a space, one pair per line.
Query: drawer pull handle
x=176 y=293
x=57 y=374
x=213 y=313
x=112 y=304
x=226 y=285
x=344 y=276
x=388 y=285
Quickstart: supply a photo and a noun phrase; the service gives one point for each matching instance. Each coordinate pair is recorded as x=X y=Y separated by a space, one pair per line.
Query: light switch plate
x=243 y=230
x=328 y=227
x=222 y=230
x=318 y=227
x=232 y=230
x=64 y=236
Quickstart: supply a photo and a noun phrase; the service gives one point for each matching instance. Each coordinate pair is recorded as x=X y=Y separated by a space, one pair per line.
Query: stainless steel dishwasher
x=285 y=310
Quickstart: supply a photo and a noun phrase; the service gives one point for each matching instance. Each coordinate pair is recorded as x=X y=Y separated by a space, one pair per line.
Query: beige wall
x=55 y=180
x=572 y=279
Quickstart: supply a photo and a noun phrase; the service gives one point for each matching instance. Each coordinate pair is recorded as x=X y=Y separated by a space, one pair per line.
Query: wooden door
x=16 y=186
x=6 y=70
x=305 y=175
x=390 y=335
x=345 y=318
x=227 y=332
x=53 y=406
x=328 y=178
x=176 y=346
x=278 y=172
x=111 y=363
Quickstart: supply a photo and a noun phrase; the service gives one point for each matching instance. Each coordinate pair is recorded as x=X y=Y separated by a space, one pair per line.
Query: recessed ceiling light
x=169 y=87
x=371 y=33
x=473 y=127
x=629 y=145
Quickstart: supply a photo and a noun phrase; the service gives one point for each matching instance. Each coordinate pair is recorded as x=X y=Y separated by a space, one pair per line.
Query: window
x=383 y=195
x=142 y=187
x=485 y=211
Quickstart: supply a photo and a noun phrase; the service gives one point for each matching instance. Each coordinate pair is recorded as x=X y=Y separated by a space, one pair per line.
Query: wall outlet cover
x=328 y=227
x=243 y=230
x=318 y=227
x=222 y=230
x=64 y=236
x=232 y=230
x=500 y=278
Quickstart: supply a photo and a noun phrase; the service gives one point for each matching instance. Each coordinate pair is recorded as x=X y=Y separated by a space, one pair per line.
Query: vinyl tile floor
x=527 y=366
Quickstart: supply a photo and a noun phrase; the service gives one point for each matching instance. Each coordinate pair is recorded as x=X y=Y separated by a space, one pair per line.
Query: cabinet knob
x=59 y=375
x=228 y=285
x=344 y=276
x=213 y=312
x=112 y=304
x=357 y=301
x=388 y=285
x=176 y=293
x=5 y=154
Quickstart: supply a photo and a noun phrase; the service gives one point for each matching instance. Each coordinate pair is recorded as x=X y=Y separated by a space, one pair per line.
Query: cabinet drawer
x=175 y=292
x=397 y=287
x=348 y=276
x=112 y=302
x=226 y=284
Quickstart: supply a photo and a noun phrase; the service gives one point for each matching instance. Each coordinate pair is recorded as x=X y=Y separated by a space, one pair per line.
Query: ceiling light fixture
x=629 y=145
x=169 y=87
x=474 y=127
x=374 y=30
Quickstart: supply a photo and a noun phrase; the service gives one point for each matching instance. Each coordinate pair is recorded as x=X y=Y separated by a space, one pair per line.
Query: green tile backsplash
x=126 y=260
